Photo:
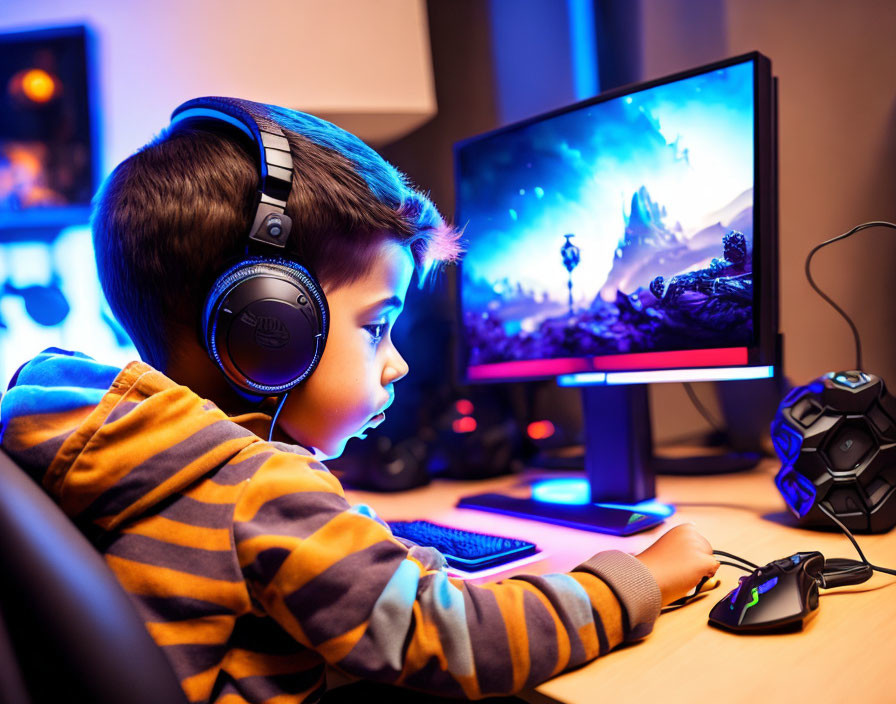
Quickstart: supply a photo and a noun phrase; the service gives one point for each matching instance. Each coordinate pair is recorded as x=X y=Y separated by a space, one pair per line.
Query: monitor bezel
x=762 y=351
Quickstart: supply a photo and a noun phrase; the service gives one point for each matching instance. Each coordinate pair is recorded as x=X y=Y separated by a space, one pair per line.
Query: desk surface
x=843 y=655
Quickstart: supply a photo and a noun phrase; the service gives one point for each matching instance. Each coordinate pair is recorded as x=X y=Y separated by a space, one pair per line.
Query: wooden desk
x=843 y=655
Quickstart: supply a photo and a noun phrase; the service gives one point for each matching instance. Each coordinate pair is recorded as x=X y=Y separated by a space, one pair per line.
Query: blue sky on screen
x=689 y=143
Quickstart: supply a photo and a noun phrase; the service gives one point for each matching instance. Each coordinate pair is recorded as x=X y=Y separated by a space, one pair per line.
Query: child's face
x=352 y=385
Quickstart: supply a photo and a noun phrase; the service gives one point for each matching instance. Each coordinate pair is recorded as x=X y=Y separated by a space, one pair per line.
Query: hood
x=108 y=443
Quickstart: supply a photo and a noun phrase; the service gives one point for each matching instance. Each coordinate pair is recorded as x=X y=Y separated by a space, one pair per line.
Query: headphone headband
x=270 y=226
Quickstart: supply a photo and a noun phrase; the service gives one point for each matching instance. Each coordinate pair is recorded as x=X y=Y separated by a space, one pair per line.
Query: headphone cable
x=277 y=415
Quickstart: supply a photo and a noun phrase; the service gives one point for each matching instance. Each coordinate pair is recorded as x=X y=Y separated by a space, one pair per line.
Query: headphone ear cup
x=265 y=324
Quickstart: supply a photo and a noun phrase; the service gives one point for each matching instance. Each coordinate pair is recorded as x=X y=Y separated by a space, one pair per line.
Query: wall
x=494 y=62
x=366 y=65
x=837 y=134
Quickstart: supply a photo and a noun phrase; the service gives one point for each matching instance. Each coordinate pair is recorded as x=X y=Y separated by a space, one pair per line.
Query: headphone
x=265 y=319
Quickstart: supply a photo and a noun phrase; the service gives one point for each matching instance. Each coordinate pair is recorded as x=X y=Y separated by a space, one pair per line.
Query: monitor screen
x=620 y=233
x=48 y=166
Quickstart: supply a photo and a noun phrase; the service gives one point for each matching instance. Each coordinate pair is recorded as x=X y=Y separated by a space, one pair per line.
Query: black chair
x=68 y=632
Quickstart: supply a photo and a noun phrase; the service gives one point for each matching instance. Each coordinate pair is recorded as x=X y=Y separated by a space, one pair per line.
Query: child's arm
x=340 y=583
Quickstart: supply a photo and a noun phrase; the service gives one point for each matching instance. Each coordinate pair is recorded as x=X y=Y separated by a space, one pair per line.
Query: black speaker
x=836 y=439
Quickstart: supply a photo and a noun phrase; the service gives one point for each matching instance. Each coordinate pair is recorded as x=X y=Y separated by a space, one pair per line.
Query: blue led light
x=734 y=594
x=651 y=507
x=793 y=395
x=766 y=586
x=786 y=441
x=843 y=380
x=650 y=376
x=562 y=491
x=577 y=491
x=582 y=379
x=798 y=492
x=583 y=44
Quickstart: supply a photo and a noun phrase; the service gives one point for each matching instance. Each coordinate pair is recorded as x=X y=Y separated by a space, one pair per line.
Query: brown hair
x=171 y=217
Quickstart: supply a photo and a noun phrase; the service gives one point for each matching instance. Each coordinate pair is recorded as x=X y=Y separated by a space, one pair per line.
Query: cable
x=849 y=535
x=857 y=228
x=839 y=572
x=685 y=599
x=277 y=415
x=845 y=530
x=698 y=404
x=861 y=571
x=735 y=564
x=734 y=557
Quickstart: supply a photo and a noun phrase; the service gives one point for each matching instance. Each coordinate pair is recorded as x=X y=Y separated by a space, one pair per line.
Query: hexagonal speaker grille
x=849 y=444
x=836 y=439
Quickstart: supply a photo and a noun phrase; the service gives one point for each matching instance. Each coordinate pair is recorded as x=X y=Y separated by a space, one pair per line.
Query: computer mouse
x=782 y=594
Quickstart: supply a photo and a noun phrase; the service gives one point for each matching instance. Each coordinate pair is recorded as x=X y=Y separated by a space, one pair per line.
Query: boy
x=242 y=556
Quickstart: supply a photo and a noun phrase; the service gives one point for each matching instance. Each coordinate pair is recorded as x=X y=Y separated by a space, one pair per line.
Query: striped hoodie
x=252 y=572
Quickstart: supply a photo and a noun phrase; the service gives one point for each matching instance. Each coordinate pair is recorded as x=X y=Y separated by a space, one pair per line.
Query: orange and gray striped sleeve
x=342 y=585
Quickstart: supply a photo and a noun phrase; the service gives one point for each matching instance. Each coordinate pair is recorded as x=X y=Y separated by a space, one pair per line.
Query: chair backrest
x=74 y=634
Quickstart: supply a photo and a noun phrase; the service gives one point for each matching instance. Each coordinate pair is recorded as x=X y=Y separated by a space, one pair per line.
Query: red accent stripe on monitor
x=722 y=357
x=529 y=368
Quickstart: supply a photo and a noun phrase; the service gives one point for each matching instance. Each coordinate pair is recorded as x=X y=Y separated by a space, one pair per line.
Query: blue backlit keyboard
x=463 y=549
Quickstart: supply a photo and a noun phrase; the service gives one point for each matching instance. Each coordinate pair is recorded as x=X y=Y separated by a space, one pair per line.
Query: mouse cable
x=735 y=557
x=688 y=597
x=277 y=415
x=857 y=228
x=734 y=564
x=849 y=535
x=838 y=572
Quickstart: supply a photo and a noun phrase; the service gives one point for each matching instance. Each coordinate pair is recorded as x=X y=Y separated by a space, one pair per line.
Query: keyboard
x=463 y=549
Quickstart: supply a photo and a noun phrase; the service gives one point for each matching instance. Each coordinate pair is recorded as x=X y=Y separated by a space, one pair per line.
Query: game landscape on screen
x=625 y=226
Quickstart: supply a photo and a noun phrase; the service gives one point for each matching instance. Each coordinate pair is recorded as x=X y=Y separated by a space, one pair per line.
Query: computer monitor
x=48 y=128
x=627 y=239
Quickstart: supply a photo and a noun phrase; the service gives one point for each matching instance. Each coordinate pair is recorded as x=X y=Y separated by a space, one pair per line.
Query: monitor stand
x=618 y=454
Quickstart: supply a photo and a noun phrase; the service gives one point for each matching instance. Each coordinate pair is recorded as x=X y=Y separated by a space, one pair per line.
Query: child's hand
x=679 y=559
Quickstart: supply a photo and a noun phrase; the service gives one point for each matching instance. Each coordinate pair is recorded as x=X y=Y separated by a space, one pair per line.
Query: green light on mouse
x=755 y=600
